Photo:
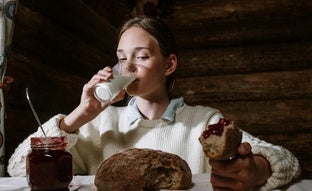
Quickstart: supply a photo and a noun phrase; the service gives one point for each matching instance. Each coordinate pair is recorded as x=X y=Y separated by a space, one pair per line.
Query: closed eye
x=142 y=57
x=122 y=60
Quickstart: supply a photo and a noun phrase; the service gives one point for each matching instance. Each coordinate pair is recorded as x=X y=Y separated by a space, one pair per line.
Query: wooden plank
x=221 y=23
x=78 y=19
x=244 y=34
x=52 y=90
x=116 y=12
x=257 y=86
x=245 y=59
x=269 y=117
x=194 y=15
x=37 y=38
x=296 y=142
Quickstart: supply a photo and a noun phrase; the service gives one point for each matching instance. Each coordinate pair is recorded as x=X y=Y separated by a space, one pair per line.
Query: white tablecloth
x=86 y=183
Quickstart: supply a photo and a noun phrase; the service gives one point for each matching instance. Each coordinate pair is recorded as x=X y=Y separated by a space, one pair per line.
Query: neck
x=152 y=109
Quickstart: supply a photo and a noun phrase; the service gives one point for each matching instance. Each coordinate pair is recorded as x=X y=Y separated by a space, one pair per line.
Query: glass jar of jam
x=49 y=165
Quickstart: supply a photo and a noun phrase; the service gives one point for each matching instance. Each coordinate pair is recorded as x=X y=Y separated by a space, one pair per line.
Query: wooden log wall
x=250 y=59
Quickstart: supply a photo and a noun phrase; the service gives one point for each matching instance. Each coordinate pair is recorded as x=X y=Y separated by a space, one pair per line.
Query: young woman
x=154 y=119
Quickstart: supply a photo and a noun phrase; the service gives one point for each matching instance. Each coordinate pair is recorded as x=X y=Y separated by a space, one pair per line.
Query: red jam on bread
x=216 y=129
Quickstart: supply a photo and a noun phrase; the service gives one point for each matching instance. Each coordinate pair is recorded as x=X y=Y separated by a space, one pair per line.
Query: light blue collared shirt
x=134 y=114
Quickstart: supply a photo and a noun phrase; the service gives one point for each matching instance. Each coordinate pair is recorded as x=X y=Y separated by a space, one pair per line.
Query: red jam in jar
x=49 y=165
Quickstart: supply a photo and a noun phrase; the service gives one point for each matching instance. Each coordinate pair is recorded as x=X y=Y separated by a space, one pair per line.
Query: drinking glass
x=107 y=91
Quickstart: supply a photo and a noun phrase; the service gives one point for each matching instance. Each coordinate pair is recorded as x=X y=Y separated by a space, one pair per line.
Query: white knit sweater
x=110 y=132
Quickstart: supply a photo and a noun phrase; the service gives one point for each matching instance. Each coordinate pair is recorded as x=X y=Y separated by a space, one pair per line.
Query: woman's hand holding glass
x=89 y=106
x=88 y=98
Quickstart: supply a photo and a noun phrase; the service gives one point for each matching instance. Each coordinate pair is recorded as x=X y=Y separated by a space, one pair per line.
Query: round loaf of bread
x=220 y=141
x=143 y=169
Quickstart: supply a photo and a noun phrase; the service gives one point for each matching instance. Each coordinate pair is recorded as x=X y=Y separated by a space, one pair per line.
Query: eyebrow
x=136 y=49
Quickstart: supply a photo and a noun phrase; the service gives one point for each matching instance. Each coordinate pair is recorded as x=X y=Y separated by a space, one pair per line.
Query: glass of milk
x=107 y=91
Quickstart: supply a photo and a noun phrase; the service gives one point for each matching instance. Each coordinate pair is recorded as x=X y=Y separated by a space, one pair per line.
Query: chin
x=133 y=89
x=130 y=91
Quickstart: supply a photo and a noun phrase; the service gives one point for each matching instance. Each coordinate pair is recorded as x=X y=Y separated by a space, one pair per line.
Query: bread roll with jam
x=220 y=140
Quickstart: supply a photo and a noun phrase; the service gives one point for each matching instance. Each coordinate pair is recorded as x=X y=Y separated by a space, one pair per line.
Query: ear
x=171 y=64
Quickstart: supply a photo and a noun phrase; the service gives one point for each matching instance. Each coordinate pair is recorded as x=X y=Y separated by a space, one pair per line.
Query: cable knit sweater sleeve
x=284 y=165
x=17 y=162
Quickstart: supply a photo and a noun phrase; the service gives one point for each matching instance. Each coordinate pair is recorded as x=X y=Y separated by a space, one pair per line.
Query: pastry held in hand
x=143 y=169
x=220 y=140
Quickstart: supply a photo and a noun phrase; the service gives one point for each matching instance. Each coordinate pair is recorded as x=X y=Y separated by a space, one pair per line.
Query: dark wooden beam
x=79 y=19
x=258 y=86
x=223 y=23
x=245 y=59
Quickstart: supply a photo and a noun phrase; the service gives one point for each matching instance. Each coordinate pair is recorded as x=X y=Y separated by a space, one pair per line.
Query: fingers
x=237 y=173
x=229 y=168
x=224 y=167
x=244 y=149
x=101 y=76
x=107 y=71
x=222 y=183
x=235 y=181
x=104 y=74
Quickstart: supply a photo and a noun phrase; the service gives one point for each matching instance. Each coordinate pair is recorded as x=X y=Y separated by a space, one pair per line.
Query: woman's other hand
x=243 y=173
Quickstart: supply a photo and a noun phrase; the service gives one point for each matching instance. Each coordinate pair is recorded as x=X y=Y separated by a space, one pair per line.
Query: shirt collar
x=134 y=114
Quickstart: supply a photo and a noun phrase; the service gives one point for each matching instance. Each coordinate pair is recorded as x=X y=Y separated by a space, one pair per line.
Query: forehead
x=135 y=37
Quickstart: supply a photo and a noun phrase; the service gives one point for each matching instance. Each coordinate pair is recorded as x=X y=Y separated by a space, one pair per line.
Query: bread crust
x=143 y=169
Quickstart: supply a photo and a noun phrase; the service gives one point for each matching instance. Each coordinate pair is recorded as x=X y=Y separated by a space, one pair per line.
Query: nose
x=132 y=67
x=128 y=67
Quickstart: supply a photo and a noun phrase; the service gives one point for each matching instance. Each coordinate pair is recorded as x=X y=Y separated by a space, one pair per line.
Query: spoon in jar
x=34 y=112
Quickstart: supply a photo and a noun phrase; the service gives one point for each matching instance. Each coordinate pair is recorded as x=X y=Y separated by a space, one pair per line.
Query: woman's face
x=139 y=54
